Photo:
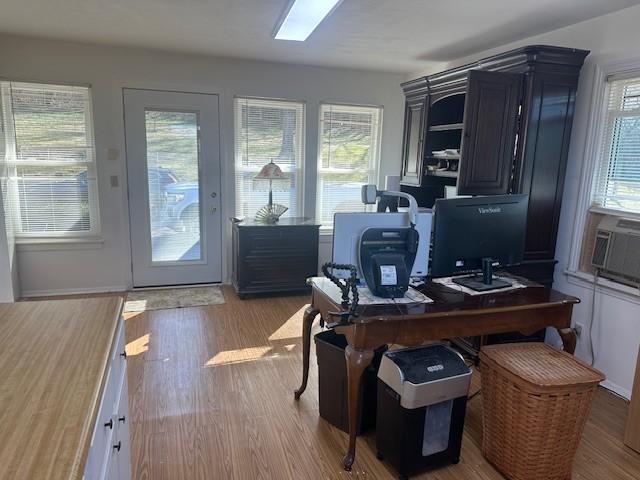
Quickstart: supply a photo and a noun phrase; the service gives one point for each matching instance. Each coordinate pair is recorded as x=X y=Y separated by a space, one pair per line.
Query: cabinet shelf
x=446 y=127
x=443 y=173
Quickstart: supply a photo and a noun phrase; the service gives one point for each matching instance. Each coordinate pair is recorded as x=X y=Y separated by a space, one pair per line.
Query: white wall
x=107 y=265
x=617 y=318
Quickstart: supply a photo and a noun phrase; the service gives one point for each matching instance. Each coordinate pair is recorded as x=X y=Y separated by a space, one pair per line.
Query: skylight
x=302 y=18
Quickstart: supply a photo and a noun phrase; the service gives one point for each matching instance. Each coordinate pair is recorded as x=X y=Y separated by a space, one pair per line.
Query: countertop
x=283 y=222
x=53 y=357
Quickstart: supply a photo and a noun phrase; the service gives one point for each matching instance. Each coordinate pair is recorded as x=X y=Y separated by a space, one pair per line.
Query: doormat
x=140 y=301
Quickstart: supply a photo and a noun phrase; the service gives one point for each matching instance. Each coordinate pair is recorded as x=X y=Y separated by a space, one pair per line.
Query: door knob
x=214 y=194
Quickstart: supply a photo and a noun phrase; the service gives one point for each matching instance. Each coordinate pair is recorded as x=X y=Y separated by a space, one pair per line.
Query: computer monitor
x=348 y=228
x=470 y=234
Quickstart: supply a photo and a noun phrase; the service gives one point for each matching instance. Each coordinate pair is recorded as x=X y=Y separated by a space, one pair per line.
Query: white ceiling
x=393 y=35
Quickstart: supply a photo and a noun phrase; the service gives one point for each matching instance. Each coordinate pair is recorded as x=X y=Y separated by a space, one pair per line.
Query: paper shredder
x=422 y=400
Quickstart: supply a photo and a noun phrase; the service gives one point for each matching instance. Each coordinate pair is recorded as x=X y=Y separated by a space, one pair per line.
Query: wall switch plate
x=115 y=181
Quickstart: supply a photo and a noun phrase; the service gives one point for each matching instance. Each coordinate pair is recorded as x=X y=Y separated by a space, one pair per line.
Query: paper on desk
x=365 y=297
x=411 y=296
x=448 y=282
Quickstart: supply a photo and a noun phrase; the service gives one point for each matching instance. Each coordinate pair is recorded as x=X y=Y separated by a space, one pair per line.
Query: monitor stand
x=484 y=282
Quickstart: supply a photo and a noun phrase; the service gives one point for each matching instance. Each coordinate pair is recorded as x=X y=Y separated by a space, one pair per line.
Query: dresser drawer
x=118 y=355
x=122 y=432
x=281 y=239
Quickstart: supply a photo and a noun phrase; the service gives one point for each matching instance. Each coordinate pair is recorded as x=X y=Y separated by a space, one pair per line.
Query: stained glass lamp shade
x=271 y=172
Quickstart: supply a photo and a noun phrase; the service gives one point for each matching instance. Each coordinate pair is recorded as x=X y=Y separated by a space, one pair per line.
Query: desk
x=452 y=314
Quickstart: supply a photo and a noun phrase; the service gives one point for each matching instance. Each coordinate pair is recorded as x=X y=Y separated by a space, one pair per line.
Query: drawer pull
x=124 y=354
x=117 y=446
x=109 y=424
x=122 y=419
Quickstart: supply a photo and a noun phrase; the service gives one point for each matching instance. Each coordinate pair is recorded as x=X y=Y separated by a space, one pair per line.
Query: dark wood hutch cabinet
x=506 y=121
x=509 y=116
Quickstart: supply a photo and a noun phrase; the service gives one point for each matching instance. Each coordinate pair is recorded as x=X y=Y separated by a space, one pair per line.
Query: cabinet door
x=122 y=420
x=112 y=472
x=547 y=115
x=413 y=142
x=489 y=136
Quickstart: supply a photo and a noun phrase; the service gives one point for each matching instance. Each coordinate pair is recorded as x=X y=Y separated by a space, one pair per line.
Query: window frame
x=589 y=150
x=374 y=163
x=12 y=164
x=299 y=172
x=603 y=161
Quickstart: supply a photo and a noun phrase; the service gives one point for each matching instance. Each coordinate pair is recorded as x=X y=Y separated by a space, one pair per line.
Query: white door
x=173 y=169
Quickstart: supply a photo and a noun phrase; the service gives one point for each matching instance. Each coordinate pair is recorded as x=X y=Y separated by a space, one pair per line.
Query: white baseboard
x=72 y=291
x=617 y=389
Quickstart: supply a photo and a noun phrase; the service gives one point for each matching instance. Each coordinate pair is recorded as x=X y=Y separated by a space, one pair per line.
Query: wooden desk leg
x=310 y=314
x=569 y=339
x=357 y=362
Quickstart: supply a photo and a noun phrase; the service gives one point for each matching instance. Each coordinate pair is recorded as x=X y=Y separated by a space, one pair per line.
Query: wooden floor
x=211 y=397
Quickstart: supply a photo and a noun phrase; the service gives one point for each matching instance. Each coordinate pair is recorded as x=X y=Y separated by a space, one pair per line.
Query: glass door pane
x=174 y=185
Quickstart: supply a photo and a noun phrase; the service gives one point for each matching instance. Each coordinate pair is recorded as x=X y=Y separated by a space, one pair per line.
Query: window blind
x=268 y=130
x=6 y=209
x=49 y=155
x=617 y=184
x=349 y=154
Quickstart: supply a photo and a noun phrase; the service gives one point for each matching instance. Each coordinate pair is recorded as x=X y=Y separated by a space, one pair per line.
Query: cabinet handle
x=117 y=446
x=122 y=419
x=109 y=424
x=124 y=354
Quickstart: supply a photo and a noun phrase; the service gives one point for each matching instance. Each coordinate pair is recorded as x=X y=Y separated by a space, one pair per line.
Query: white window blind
x=268 y=130
x=348 y=157
x=6 y=209
x=49 y=154
x=617 y=184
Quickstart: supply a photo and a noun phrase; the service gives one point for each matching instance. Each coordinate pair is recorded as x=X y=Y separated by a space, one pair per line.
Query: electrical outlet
x=578 y=329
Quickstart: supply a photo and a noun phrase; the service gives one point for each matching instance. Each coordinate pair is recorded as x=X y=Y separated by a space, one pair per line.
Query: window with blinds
x=49 y=158
x=268 y=131
x=348 y=157
x=617 y=183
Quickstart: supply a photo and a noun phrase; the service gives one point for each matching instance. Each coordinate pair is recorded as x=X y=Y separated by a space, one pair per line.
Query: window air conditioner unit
x=616 y=251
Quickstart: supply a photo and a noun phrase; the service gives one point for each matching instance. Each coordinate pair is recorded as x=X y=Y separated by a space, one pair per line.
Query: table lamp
x=271 y=212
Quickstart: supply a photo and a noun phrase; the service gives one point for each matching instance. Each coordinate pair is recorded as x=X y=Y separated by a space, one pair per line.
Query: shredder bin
x=422 y=400
x=332 y=383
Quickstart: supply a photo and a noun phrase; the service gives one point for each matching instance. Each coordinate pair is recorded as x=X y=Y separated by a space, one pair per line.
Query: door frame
x=224 y=172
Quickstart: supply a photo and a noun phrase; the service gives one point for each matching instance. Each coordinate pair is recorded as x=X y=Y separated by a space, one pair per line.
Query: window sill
x=43 y=244
x=326 y=235
x=614 y=213
x=604 y=285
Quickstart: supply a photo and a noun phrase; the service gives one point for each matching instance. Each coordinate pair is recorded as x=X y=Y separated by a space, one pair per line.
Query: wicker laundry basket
x=536 y=401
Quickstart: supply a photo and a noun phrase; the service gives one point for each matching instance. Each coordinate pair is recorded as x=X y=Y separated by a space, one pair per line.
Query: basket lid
x=541 y=365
